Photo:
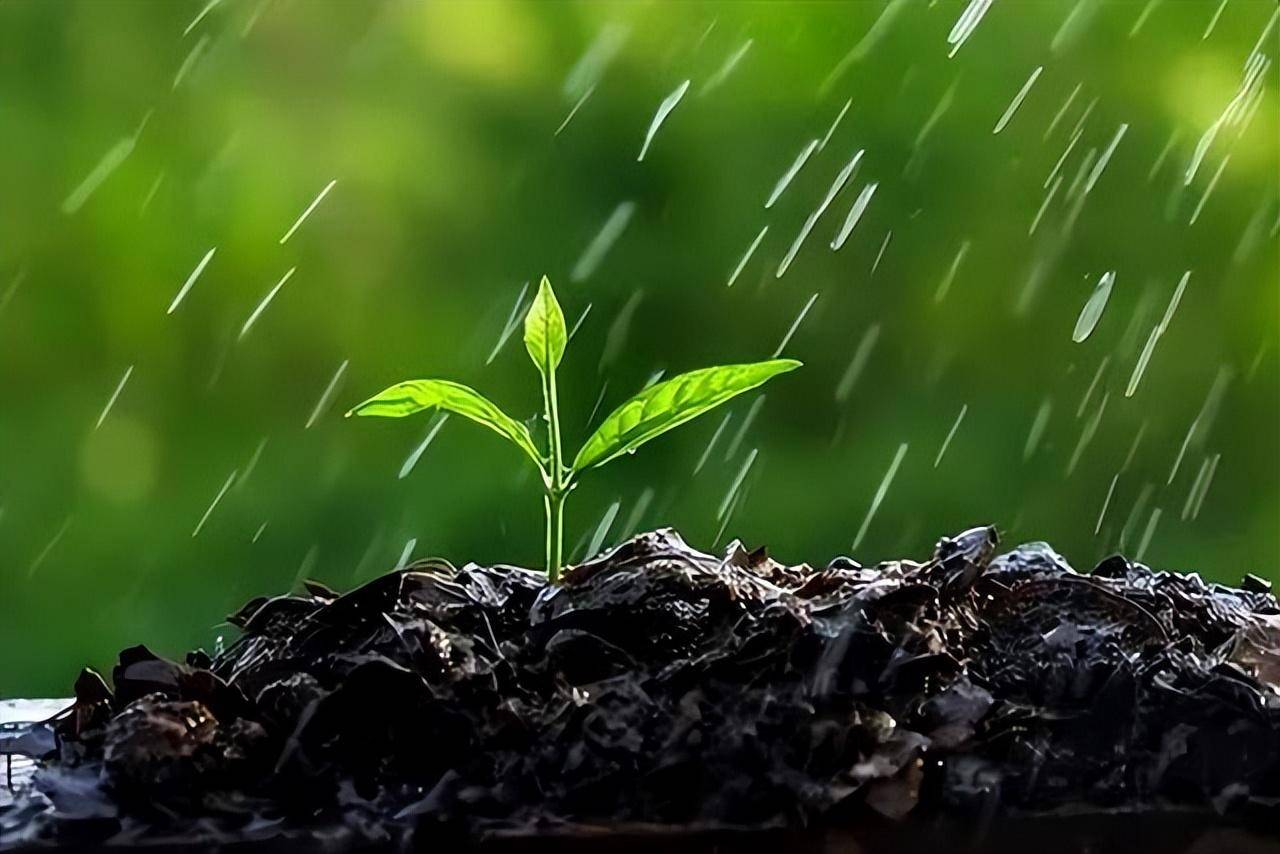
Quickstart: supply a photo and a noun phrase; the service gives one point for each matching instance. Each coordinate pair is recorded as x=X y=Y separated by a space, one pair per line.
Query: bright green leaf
x=412 y=396
x=669 y=404
x=544 y=330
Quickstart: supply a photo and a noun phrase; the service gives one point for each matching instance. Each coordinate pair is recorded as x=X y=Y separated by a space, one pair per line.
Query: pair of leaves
x=649 y=414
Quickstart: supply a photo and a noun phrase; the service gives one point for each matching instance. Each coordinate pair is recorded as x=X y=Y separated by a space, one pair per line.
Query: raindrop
x=48 y=549
x=637 y=513
x=1204 y=488
x=1097 y=375
x=208 y=7
x=1038 y=426
x=795 y=324
x=855 y=214
x=513 y=320
x=191 y=280
x=115 y=394
x=946 y=443
x=1213 y=182
x=859 y=361
x=880 y=493
x=831 y=130
x=664 y=109
x=1147 y=534
x=752 y=413
x=787 y=176
x=1062 y=111
x=966 y=24
x=1086 y=435
x=1067 y=151
x=1044 y=206
x=590 y=67
x=1017 y=101
x=1142 y=17
x=190 y=62
x=322 y=405
x=602 y=530
x=1092 y=311
x=266 y=301
x=1141 y=367
x=14 y=284
x=100 y=173
x=722 y=513
x=1106 y=503
x=945 y=286
x=416 y=454
x=573 y=112
x=1104 y=159
x=307 y=212
x=737 y=271
x=221 y=492
x=715 y=437
x=406 y=554
x=721 y=75
x=880 y=254
x=603 y=241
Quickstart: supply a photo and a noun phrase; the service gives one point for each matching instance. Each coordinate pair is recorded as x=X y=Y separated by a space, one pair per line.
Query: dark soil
x=660 y=690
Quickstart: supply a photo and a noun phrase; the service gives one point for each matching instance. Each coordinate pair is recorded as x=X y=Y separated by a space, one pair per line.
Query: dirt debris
x=659 y=685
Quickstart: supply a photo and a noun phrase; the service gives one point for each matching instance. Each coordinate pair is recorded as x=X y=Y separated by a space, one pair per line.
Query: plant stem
x=555 y=534
x=557 y=486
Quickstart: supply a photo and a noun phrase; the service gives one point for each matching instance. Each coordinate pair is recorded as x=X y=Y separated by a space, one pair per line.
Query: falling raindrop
x=855 y=214
x=416 y=454
x=880 y=493
x=664 y=109
x=792 y=170
x=946 y=443
x=311 y=207
x=191 y=280
x=966 y=24
x=322 y=405
x=1017 y=101
x=945 y=286
x=266 y=301
x=207 y=513
x=736 y=485
x=115 y=394
x=1093 y=308
x=603 y=241
x=737 y=271
x=795 y=324
x=859 y=362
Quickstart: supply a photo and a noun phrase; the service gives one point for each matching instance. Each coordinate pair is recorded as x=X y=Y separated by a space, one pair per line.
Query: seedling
x=649 y=414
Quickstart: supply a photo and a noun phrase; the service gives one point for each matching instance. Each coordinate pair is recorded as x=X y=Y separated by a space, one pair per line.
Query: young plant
x=650 y=413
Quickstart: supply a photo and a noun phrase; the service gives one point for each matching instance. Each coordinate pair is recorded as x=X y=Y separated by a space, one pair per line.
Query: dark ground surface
x=662 y=696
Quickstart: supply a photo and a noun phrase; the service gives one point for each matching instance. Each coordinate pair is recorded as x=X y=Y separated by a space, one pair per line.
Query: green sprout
x=652 y=412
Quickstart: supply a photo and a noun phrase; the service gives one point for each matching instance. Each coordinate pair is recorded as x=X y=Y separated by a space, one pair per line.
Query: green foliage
x=669 y=404
x=645 y=416
x=414 y=396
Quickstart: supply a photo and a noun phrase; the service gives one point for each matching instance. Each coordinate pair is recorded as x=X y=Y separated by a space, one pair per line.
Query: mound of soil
x=661 y=688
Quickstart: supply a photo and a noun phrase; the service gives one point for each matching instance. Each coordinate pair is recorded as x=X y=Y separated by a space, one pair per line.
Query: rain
x=664 y=109
x=191 y=280
x=306 y=213
x=266 y=301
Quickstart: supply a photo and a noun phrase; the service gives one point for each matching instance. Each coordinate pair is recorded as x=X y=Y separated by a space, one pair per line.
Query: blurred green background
x=137 y=136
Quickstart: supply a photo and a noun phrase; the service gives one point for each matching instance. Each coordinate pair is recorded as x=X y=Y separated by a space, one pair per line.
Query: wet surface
x=660 y=687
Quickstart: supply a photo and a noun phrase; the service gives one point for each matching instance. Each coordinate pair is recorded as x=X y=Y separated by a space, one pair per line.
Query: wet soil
x=663 y=693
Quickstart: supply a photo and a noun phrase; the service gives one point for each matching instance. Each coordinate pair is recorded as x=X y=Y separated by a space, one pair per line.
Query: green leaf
x=669 y=404
x=544 y=331
x=413 y=396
